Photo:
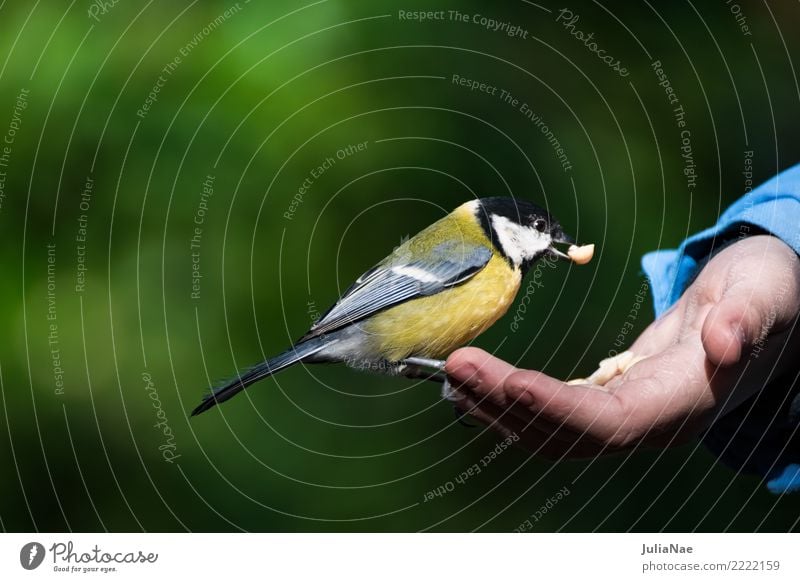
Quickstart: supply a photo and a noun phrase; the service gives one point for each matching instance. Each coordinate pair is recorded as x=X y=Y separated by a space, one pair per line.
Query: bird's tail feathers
x=258 y=372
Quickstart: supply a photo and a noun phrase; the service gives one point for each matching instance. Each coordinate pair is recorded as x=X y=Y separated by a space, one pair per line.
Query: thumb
x=763 y=297
x=732 y=326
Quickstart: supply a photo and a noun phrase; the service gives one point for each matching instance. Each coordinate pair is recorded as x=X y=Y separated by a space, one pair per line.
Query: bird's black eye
x=540 y=224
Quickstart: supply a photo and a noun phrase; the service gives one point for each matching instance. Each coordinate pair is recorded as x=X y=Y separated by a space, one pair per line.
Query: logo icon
x=31 y=555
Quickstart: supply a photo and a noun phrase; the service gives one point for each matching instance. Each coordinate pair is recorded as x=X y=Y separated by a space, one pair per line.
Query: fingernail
x=520 y=395
x=463 y=374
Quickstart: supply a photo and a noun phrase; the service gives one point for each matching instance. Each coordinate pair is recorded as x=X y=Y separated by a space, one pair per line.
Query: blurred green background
x=248 y=99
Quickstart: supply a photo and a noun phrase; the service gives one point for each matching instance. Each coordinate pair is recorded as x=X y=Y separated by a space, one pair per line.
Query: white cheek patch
x=519 y=242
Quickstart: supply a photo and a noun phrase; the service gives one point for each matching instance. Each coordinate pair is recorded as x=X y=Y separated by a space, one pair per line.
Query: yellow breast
x=434 y=326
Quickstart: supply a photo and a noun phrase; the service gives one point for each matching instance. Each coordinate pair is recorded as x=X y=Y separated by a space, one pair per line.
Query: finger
x=514 y=414
x=480 y=373
x=585 y=410
x=729 y=329
x=481 y=378
x=570 y=412
x=530 y=437
x=492 y=416
x=556 y=431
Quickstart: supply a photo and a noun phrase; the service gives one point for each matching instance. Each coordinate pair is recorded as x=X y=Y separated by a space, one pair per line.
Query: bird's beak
x=561 y=239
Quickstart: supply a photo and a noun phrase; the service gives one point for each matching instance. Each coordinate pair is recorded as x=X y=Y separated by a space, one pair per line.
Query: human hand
x=733 y=330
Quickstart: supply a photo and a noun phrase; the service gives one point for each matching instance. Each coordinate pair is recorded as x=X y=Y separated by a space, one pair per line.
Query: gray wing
x=398 y=279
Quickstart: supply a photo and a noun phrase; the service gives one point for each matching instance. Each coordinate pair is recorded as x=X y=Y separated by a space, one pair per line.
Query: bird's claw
x=448 y=392
x=460 y=418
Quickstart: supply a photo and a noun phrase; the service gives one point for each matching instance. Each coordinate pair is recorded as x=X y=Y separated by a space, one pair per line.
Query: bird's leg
x=419 y=373
x=425 y=363
x=448 y=393
x=415 y=368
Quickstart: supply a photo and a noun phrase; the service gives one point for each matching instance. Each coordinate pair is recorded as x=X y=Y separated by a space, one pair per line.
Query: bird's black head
x=520 y=230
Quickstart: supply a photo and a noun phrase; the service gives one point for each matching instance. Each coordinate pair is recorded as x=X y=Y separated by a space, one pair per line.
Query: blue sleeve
x=762 y=436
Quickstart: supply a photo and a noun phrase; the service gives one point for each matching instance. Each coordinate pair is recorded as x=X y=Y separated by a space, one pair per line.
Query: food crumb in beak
x=581 y=255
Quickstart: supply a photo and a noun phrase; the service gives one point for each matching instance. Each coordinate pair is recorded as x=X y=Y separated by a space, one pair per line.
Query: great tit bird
x=435 y=293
